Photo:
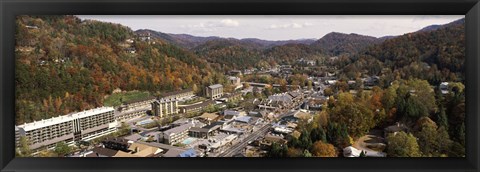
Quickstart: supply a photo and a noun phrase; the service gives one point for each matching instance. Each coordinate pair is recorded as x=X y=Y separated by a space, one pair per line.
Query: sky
x=277 y=27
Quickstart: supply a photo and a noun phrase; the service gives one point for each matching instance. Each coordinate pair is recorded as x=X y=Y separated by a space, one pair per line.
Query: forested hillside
x=65 y=64
x=436 y=56
x=335 y=43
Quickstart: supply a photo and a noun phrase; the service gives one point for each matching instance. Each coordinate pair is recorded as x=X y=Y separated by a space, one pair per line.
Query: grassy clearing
x=117 y=98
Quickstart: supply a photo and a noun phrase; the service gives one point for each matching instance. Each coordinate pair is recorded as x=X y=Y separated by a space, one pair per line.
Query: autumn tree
x=321 y=149
x=358 y=118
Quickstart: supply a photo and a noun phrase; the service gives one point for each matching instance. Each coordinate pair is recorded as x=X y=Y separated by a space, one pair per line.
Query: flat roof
x=178 y=129
x=215 y=86
x=209 y=116
x=65 y=118
x=205 y=103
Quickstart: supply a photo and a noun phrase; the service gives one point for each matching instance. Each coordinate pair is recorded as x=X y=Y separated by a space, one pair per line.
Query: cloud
x=229 y=23
x=290 y=25
x=213 y=25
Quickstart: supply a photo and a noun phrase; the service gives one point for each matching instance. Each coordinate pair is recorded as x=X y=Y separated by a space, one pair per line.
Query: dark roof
x=214 y=125
x=139 y=100
x=117 y=140
x=176 y=92
x=104 y=151
x=197 y=129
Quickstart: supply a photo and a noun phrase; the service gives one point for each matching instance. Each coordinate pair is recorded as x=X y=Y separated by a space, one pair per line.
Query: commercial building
x=137 y=103
x=195 y=107
x=74 y=127
x=175 y=135
x=214 y=91
x=129 y=114
x=179 y=95
x=165 y=107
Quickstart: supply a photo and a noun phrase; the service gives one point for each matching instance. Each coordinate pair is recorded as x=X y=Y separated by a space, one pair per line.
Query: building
x=137 y=103
x=209 y=117
x=74 y=127
x=232 y=96
x=134 y=149
x=179 y=95
x=235 y=81
x=126 y=115
x=214 y=91
x=175 y=135
x=394 y=129
x=17 y=137
x=444 y=87
x=196 y=107
x=235 y=72
x=165 y=107
x=205 y=131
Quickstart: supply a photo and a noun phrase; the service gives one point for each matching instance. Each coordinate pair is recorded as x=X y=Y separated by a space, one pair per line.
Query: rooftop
x=215 y=86
x=205 y=103
x=178 y=129
x=209 y=116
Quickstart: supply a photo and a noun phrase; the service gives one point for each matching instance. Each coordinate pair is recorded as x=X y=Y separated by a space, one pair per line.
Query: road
x=234 y=149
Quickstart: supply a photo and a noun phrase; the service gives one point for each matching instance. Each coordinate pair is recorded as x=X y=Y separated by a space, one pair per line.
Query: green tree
x=442 y=118
x=24 y=147
x=402 y=144
x=318 y=134
x=277 y=150
x=124 y=129
x=62 y=149
x=363 y=154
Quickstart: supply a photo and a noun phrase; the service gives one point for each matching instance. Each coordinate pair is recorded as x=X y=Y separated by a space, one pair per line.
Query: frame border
x=10 y=8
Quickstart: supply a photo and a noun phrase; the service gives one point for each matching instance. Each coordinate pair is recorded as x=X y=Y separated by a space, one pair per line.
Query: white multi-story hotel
x=165 y=107
x=74 y=127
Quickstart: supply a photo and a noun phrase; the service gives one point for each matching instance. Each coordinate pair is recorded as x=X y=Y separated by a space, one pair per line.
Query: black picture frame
x=10 y=8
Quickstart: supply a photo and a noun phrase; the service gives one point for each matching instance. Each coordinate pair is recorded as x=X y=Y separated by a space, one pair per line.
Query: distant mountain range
x=234 y=53
x=190 y=41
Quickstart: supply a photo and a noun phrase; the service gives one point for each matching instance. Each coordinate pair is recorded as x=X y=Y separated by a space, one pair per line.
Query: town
x=86 y=88
x=182 y=124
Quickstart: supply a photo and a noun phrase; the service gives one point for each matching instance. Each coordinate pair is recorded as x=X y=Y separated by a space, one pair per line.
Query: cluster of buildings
x=282 y=101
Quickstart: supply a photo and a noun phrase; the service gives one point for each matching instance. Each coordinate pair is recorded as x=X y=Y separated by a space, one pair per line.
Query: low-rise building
x=444 y=87
x=176 y=134
x=137 y=103
x=195 y=107
x=129 y=114
x=235 y=81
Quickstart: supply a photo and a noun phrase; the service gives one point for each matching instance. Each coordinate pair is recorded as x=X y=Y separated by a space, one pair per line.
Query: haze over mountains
x=333 y=43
